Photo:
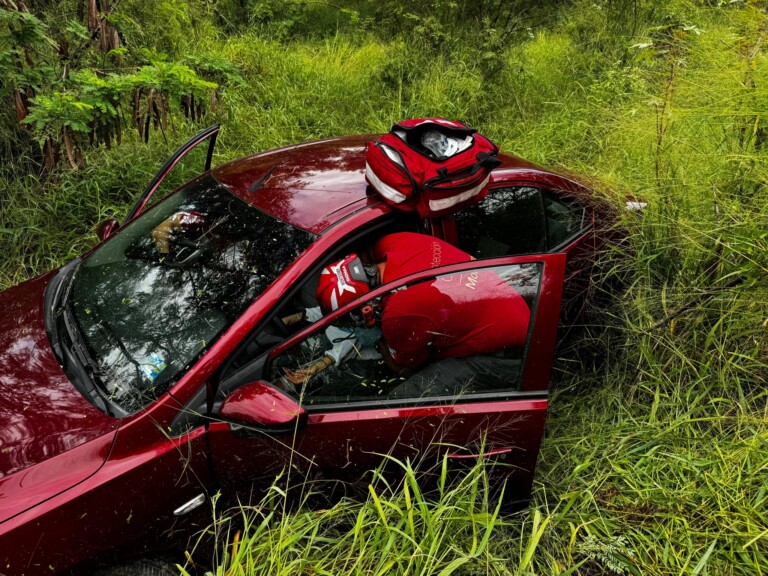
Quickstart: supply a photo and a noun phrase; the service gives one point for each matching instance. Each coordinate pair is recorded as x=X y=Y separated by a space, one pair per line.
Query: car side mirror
x=260 y=404
x=107 y=228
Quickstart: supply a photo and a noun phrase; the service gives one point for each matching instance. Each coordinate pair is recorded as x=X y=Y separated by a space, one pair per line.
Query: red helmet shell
x=341 y=282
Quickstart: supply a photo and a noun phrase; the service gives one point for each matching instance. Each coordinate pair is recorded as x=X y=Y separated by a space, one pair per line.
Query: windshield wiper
x=85 y=367
x=70 y=347
x=260 y=182
x=54 y=295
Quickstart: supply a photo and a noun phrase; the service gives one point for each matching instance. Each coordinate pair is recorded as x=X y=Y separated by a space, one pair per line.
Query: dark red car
x=141 y=379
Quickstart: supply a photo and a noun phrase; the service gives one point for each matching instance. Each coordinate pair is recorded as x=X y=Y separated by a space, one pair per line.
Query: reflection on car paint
x=39 y=422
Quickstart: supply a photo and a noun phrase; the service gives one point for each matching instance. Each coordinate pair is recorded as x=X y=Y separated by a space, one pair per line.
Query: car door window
x=517 y=220
x=564 y=219
x=454 y=334
x=507 y=222
x=188 y=161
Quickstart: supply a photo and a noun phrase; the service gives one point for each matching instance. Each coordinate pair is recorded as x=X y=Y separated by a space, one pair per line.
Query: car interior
x=248 y=361
x=365 y=378
x=482 y=230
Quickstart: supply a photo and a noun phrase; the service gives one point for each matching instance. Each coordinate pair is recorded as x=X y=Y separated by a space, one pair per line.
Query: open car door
x=207 y=135
x=342 y=421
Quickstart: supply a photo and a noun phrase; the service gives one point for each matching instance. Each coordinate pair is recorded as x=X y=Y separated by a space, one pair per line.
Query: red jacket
x=473 y=312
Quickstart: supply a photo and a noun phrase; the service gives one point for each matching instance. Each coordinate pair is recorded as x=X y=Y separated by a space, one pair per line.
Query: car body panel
x=512 y=174
x=44 y=417
x=125 y=508
x=34 y=484
x=311 y=187
x=346 y=445
x=315 y=185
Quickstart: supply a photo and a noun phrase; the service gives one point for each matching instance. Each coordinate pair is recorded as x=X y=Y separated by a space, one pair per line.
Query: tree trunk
x=50 y=155
x=93 y=15
x=106 y=135
x=21 y=106
x=136 y=108
x=69 y=148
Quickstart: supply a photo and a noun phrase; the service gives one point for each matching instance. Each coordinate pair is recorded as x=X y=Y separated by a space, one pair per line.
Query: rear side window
x=509 y=221
x=563 y=219
x=518 y=220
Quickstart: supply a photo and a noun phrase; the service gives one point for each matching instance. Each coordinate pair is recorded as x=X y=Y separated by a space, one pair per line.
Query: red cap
x=341 y=282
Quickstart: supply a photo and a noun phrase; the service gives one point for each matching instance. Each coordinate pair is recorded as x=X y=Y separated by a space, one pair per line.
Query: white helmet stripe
x=341 y=281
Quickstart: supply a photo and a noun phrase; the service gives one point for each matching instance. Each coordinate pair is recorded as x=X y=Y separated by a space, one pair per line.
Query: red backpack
x=432 y=165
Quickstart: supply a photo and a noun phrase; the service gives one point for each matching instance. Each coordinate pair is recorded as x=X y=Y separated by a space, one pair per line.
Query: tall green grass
x=398 y=530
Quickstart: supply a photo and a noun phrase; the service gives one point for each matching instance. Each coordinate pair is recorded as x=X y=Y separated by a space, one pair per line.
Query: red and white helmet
x=341 y=282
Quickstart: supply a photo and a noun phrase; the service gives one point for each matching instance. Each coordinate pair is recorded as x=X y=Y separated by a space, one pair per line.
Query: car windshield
x=153 y=298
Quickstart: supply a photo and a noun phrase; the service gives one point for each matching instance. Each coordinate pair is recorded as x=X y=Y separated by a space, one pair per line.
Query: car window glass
x=563 y=219
x=509 y=221
x=456 y=334
x=188 y=167
x=157 y=294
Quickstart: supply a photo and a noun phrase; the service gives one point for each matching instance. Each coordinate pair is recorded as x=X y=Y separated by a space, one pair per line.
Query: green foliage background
x=656 y=454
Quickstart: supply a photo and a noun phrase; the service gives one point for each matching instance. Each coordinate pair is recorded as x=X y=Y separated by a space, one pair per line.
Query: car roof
x=313 y=186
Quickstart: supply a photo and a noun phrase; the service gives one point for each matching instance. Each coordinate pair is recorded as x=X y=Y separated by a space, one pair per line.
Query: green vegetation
x=398 y=530
x=656 y=454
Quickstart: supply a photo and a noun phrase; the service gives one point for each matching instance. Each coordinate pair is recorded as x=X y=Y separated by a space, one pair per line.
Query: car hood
x=51 y=437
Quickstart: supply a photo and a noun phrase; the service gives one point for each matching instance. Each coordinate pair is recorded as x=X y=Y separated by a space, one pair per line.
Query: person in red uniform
x=403 y=253
x=465 y=314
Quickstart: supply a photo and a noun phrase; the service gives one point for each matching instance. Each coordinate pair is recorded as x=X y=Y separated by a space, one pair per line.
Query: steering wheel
x=187 y=251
